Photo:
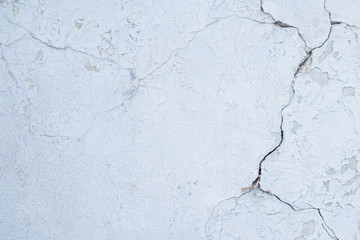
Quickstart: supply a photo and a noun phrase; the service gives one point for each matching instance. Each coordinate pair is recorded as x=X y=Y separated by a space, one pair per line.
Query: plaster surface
x=186 y=119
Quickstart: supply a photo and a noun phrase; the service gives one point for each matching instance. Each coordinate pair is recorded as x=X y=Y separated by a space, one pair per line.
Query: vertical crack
x=302 y=67
x=326 y=226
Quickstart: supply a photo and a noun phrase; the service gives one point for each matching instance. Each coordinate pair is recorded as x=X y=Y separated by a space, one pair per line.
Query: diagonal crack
x=323 y=224
x=135 y=90
x=62 y=48
x=302 y=67
x=141 y=79
x=326 y=227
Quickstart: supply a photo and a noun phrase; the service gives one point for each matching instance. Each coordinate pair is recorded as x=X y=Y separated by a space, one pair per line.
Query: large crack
x=141 y=79
x=302 y=67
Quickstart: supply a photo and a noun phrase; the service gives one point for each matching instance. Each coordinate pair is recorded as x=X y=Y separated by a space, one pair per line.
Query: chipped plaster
x=179 y=120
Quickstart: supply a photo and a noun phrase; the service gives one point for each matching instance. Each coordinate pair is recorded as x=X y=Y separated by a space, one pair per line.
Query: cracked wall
x=146 y=119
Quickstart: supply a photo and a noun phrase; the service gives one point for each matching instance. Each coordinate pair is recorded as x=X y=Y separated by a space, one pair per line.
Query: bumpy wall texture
x=145 y=119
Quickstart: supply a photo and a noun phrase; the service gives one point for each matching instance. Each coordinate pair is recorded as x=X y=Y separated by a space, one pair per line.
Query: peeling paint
x=78 y=24
x=348 y=91
x=180 y=120
x=4 y=3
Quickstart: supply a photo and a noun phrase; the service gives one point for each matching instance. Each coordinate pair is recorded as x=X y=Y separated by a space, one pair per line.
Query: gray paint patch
x=308 y=228
x=348 y=91
x=132 y=74
x=319 y=77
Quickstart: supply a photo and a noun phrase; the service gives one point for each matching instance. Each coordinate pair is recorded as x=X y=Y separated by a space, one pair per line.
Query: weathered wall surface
x=145 y=119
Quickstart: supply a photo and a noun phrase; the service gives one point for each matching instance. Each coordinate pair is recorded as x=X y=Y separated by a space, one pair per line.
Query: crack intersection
x=302 y=67
x=64 y=48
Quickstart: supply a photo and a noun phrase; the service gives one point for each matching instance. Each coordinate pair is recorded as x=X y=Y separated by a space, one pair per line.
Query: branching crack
x=300 y=69
x=337 y=22
x=323 y=224
x=65 y=48
x=141 y=79
x=340 y=22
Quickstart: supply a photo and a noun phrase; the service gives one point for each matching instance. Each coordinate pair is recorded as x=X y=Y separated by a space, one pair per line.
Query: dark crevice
x=336 y=23
x=266 y=13
x=283 y=25
x=274 y=195
x=275 y=148
x=327 y=226
x=302 y=67
x=340 y=22
x=324 y=225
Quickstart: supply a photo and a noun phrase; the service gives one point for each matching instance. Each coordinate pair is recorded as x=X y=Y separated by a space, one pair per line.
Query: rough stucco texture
x=145 y=119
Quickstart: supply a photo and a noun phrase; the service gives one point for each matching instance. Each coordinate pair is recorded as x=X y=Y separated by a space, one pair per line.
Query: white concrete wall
x=145 y=119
